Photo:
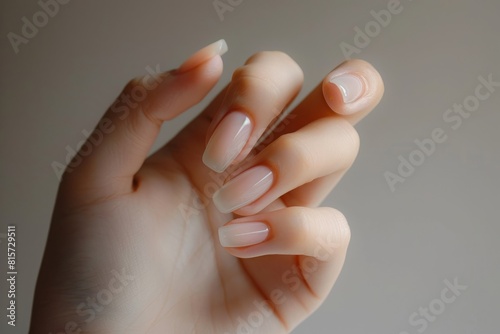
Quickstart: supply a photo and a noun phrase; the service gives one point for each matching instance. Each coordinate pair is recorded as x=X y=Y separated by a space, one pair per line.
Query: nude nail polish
x=243 y=189
x=351 y=86
x=203 y=55
x=227 y=141
x=243 y=234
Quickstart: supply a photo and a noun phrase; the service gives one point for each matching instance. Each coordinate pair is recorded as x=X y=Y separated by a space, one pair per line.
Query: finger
x=130 y=126
x=259 y=91
x=313 y=193
x=320 y=235
x=319 y=149
x=350 y=91
x=344 y=76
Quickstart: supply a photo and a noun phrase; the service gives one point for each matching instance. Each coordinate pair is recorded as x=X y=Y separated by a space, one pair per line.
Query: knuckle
x=255 y=78
x=295 y=152
x=299 y=221
x=134 y=125
x=249 y=85
x=339 y=226
x=133 y=84
x=279 y=57
x=250 y=90
x=320 y=226
x=350 y=141
x=270 y=55
x=136 y=92
x=268 y=78
x=293 y=66
x=258 y=56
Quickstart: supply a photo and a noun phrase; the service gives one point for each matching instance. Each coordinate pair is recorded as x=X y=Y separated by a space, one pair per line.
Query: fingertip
x=353 y=87
x=203 y=55
x=183 y=90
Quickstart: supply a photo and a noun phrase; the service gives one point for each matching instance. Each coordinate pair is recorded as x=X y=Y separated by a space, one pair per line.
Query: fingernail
x=351 y=86
x=203 y=55
x=243 y=189
x=227 y=141
x=243 y=234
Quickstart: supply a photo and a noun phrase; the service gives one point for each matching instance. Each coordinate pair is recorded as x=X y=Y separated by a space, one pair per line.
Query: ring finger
x=320 y=148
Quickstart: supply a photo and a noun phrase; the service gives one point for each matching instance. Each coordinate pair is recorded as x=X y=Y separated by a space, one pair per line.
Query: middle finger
x=259 y=91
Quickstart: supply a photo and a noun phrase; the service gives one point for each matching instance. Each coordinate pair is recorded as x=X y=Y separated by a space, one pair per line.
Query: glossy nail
x=227 y=141
x=203 y=55
x=351 y=86
x=243 y=234
x=243 y=189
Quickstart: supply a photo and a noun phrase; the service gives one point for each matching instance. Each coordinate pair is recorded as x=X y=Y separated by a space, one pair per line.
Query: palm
x=190 y=272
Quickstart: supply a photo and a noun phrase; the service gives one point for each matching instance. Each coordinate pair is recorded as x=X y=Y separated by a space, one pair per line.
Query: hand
x=134 y=241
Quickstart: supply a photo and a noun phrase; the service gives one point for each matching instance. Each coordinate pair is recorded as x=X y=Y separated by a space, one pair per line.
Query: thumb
x=121 y=141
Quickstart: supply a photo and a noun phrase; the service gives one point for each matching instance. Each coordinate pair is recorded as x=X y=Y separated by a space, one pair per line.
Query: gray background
x=441 y=223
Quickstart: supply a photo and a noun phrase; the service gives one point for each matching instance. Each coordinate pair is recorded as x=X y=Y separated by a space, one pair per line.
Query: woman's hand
x=135 y=241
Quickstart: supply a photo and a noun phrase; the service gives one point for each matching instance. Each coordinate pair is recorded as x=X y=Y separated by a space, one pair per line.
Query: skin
x=152 y=220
